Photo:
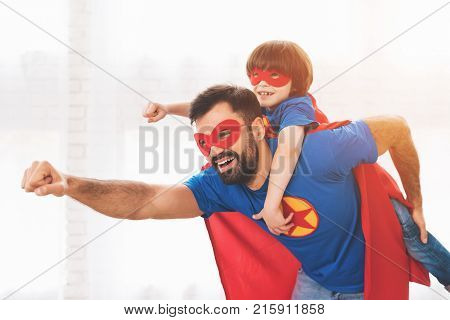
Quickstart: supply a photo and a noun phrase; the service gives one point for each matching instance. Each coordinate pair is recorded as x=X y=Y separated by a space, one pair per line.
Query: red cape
x=254 y=265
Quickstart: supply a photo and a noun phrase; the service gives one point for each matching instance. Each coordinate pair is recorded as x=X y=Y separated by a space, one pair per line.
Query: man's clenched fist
x=42 y=179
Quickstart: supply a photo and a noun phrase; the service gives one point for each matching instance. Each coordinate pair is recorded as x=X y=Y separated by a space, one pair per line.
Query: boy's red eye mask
x=224 y=135
x=271 y=77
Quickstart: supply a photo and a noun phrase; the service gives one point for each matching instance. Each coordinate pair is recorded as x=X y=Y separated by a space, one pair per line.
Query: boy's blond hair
x=286 y=57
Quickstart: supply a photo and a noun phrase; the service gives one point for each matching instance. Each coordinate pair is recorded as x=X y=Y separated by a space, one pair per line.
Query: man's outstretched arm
x=115 y=198
x=392 y=133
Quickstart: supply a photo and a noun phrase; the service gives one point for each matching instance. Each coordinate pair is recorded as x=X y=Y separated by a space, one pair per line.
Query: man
x=328 y=240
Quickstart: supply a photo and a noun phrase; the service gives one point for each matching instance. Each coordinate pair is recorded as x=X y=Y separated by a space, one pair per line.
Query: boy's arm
x=392 y=133
x=294 y=117
x=179 y=109
x=290 y=140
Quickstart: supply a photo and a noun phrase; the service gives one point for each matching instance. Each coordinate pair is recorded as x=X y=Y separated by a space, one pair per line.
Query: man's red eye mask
x=258 y=75
x=224 y=135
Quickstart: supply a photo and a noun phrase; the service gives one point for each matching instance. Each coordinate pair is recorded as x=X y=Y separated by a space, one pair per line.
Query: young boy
x=281 y=74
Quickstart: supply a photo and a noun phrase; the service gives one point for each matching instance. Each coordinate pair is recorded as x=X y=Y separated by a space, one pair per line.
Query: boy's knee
x=402 y=212
x=409 y=228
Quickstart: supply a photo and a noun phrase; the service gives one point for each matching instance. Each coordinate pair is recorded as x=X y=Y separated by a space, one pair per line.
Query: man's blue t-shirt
x=323 y=192
x=296 y=111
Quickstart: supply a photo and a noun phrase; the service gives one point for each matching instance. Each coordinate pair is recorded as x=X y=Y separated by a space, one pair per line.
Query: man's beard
x=246 y=164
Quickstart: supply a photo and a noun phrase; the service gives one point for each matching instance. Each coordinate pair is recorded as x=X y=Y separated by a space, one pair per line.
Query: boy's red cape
x=254 y=265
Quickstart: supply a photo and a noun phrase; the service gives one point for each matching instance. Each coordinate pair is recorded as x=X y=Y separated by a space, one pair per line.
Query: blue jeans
x=308 y=289
x=433 y=256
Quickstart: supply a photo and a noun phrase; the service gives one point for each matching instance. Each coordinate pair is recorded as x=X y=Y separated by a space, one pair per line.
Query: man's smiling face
x=228 y=144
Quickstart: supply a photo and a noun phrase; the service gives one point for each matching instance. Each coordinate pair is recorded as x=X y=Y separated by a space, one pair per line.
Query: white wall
x=55 y=106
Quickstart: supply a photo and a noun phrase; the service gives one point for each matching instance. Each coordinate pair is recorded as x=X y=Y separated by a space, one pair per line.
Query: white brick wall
x=76 y=271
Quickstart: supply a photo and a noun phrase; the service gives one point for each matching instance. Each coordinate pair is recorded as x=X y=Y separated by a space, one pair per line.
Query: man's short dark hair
x=241 y=100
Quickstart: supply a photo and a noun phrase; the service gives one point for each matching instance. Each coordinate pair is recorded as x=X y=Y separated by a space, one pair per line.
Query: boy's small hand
x=154 y=112
x=275 y=220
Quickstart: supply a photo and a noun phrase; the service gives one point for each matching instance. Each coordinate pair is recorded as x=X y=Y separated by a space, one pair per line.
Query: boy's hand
x=154 y=112
x=275 y=220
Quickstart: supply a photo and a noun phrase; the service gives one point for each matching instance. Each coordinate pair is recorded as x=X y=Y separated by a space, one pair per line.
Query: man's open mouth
x=225 y=163
x=265 y=93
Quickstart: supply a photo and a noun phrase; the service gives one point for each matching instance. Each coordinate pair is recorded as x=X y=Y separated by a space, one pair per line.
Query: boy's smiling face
x=271 y=87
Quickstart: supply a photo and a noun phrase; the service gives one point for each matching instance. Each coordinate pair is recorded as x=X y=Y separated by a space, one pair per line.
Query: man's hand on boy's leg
x=419 y=220
x=275 y=220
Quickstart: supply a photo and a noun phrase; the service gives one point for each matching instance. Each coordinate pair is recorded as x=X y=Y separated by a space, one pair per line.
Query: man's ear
x=258 y=129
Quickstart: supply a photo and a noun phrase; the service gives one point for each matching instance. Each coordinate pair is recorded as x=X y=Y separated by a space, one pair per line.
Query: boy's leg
x=349 y=296
x=308 y=289
x=434 y=257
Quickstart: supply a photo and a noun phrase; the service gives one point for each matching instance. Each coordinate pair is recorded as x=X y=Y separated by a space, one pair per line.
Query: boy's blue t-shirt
x=296 y=111
x=323 y=191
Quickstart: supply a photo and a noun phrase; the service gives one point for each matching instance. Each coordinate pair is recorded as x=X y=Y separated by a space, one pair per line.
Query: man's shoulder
x=356 y=127
x=211 y=180
x=207 y=173
x=206 y=180
x=347 y=145
x=327 y=138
